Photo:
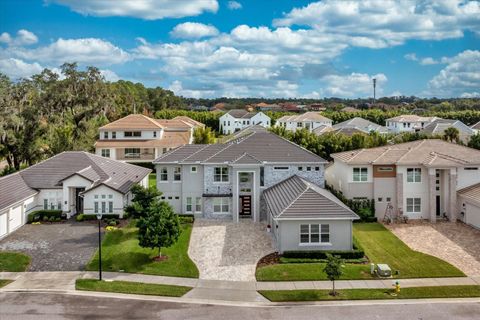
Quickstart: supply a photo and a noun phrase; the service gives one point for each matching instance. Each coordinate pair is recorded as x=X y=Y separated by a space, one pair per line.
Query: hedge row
x=356 y=253
x=43 y=215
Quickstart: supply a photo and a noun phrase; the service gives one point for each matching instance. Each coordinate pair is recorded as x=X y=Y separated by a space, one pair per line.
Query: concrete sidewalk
x=212 y=289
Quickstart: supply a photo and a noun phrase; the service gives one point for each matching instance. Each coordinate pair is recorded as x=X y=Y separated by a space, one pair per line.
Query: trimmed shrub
x=356 y=253
x=44 y=215
x=186 y=218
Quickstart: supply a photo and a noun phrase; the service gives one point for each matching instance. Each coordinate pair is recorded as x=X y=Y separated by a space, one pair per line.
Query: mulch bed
x=269 y=259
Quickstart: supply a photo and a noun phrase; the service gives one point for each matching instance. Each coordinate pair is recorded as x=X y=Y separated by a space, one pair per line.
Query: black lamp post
x=99 y=218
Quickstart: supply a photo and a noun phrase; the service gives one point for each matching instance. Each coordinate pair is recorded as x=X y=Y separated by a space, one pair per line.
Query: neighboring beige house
x=408 y=123
x=138 y=138
x=307 y=120
x=358 y=125
x=439 y=126
x=421 y=179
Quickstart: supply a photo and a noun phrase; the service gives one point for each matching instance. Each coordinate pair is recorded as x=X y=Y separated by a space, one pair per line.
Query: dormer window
x=105 y=135
x=114 y=135
x=133 y=133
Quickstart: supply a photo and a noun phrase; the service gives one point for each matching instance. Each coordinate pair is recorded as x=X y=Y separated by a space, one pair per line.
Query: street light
x=99 y=218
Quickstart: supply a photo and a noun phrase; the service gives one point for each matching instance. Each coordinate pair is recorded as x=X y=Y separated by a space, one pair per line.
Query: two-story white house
x=308 y=120
x=73 y=182
x=232 y=180
x=422 y=179
x=238 y=119
x=408 y=123
x=138 y=138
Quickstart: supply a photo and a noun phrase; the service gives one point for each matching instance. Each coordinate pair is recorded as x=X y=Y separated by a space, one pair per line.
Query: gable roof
x=298 y=198
x=471 y=193
x=360 y=124
x=264 y=146
x=440 y=125
x=133 y=121
x=307 y=116
x=241 y=114
x=412 y=118
x=476 y=126
x=13 y=189
x=429 y=152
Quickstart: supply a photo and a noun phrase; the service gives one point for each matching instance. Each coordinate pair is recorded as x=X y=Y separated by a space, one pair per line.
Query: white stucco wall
x=89 y=199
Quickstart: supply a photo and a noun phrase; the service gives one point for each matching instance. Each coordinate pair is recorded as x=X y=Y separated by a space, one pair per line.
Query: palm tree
x=451 y=134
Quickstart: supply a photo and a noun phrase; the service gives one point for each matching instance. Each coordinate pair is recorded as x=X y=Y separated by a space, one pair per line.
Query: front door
x=245 y=206
x=79 y=200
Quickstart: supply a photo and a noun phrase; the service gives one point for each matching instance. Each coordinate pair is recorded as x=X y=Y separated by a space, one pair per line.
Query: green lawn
x=152 y=180
x=3 y=283
x=381 y=246
x=14 y=261
x=121 y=252
x=131 y=287
x=373 y=294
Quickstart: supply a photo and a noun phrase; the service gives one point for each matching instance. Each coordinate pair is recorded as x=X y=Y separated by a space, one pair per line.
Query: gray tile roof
x=241 y=114
x=440 y=125
x=50 y=173
x=297 y=198
x=476 y=126
x=13 y=189
x=471 y=192
x=361 y=125
x=263 y=146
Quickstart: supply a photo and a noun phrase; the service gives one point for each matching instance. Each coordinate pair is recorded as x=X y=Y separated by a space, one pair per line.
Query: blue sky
x=268 y=48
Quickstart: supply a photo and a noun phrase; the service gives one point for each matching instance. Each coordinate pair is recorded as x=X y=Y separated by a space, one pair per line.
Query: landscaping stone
x=224 y=250
x=455 y=243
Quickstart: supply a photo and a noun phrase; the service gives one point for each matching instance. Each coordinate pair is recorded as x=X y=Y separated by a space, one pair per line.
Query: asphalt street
x=14 y=305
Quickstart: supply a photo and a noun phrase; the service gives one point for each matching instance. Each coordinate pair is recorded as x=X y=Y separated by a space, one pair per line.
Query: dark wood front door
x=438 y=205
x=79 y=200
x=245 y=206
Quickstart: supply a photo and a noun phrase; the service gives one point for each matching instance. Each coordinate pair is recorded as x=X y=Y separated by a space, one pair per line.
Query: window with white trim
x=105 y=135
x=106 y=153
x=220 y=174
x=360 y=174
x=414 y=174
x=193 y=169
x=164 y=174
x=114 y=135
x=198 y=204
x=177 y=174
x=188 y=207
x=221 y=205
x=414 y=205
x=133 y=133
x=314 y=233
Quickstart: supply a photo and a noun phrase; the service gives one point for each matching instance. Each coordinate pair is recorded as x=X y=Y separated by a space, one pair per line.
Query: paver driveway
x=55 y=247
x=224 y=250
x=456 y=243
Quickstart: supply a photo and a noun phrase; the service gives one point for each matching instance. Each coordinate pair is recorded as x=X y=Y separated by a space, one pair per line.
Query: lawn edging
x=4 y=282
x=460 y=291
x=14 y=261
x=131 y=287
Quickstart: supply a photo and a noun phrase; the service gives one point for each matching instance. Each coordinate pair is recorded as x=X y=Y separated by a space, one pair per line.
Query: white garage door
x=3 y=225
x=472 y=215
x=15 y=220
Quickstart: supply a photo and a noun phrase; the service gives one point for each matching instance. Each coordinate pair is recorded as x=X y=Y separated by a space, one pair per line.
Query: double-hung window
x=189 y=204
x=198 y=204
x=177 y=174
x=220 y=174
x=105 y=135
x=360 y=174
x=114 y=135
x=221 y=205
x=414 y=205
x=414 y=175
x=314 y=233
x=164 y=174
x=106 y=153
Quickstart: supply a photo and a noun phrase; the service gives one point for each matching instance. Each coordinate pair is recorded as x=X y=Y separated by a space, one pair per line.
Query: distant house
x=236 y=120
x=424 y=179
x=358 y=125
x=439 y=126
x=291 y=107
x=316 y=107
x=138 y=138
x=307 y=120
x=268 y=107
x=73 y=182
x=349 y=109
x=408 y=123
x=476 y=127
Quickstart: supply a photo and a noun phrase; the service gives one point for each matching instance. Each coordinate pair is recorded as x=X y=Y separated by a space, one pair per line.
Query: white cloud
x=234 y=5
x=109 y=75
x=87 y=50
x=470 y=95
x=193 y=30
x=428 y=61
x=177 y=87
x=24 y=37
x=378 y=24
x=460 y=77
x=15 y=68
x=411 y=57
x=144 y=9
x=353 y=85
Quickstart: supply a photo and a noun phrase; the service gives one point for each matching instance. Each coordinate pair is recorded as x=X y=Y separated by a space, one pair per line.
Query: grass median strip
x=14 y=261
x=309 y=271
x=131 y=287
x=372 y=294
x=3 y=282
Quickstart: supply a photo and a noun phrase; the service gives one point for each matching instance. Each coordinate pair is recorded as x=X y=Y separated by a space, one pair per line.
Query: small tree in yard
x=160 y=227
x=333 y=269
x=142 y=200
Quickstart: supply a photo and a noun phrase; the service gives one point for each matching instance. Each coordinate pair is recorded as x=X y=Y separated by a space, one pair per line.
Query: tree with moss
x=333 y=270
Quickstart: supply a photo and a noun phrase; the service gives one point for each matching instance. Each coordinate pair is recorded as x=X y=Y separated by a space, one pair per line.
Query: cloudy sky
x=252 y=48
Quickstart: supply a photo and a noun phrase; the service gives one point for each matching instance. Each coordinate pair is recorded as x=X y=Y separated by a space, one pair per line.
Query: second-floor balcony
x=218 y=191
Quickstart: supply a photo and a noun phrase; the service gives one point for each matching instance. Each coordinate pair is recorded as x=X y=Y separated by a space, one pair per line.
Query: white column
x=452 y=181
x=432 y=194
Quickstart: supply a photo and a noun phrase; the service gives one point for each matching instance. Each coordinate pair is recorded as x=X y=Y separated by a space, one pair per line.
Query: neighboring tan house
x=349 y=109
x=439 y=126
x=408 y=123
x=307 y=120
x=236 y=120
x=74 y=182
x=230 y=181
x=358 y=125
x=421 y=179
x=138 y=138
